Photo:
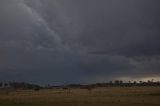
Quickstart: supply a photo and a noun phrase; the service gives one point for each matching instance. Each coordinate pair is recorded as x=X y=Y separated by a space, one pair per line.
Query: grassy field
x=139 y=96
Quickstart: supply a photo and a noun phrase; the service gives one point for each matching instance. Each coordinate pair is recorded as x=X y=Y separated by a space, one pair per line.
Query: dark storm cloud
x=126 y=28
x=72 y=40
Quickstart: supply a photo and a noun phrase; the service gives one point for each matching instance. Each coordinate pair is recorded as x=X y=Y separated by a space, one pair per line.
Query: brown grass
x=139 y=96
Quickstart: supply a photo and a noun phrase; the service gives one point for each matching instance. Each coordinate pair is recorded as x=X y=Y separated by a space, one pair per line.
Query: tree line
x=19 y=85
x=116 y=83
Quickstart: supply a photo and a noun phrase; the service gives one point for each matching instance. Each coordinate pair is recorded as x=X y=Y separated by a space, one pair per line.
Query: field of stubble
x=139 y=96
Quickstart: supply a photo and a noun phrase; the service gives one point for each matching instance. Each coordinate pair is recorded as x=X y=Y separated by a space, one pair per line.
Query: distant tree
x=110 y=83
x=1 y=84
x=37 y=89
x=140 y=82
x=134 y=82
x=117 y=82
x=121 y=82
x=23 y=85
x=149 y=81
x=129 y=82
x=5 y=85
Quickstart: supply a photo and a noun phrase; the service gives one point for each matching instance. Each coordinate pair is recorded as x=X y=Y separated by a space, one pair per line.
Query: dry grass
x=77 y=97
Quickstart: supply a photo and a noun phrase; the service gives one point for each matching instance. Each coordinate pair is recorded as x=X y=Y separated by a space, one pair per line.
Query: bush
x=37 y=89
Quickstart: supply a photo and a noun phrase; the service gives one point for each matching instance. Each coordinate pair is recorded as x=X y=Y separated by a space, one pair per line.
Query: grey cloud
x=70 y=40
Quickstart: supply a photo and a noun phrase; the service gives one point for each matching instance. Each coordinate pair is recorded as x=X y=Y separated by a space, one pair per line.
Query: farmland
x=104 y=96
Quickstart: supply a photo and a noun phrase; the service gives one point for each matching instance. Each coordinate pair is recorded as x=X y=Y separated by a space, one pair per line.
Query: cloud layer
x=73 y=41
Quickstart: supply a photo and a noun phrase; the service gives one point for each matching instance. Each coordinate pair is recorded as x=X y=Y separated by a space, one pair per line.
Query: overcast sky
x=79 y=41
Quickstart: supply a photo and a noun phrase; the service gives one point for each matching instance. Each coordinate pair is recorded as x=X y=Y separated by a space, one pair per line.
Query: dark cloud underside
x=75 y=41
